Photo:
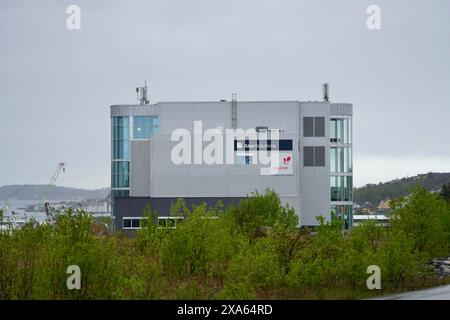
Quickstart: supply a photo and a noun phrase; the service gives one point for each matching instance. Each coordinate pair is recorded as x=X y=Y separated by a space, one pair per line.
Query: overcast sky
x=56 y=84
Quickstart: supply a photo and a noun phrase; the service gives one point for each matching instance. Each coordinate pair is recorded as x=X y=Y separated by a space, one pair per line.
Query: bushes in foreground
x=253 y=250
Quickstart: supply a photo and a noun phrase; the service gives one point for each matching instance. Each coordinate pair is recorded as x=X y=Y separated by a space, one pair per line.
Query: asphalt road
x=438 y=293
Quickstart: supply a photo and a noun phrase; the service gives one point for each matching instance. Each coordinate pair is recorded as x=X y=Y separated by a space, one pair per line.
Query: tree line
x=253 y=250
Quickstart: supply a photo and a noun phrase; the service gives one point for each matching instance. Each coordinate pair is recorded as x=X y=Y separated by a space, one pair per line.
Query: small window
x=126 y=223
x=244 y=159
x=136 y=223
x=308 y=126
x=319 y=126
x=308 y=156
x=319 y=156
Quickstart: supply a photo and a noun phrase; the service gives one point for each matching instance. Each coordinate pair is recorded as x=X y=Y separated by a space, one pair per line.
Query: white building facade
x=312 y=171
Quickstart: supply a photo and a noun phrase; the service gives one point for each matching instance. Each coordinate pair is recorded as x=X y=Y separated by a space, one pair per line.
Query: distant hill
x=374 y=193
x=39 y=191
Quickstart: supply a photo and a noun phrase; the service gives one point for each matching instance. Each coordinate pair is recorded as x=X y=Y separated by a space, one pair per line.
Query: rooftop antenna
x=141 y=93
x=326 y=91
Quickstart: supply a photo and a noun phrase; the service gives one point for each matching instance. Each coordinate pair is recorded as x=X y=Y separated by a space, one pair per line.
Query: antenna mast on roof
x=141 y=93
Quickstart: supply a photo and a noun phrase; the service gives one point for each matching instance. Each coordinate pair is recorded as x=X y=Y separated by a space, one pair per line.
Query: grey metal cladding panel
x=134 y=110
x=182 y=115
x=140 y=165
x=341 y=109
x=268 y=114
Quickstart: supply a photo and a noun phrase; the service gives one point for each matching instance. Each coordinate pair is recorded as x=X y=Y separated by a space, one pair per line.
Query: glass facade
x=341 y=159
x=121 y=138
x=120 y=174
x=344 y=213
x=120 y=165
x=145 y=126
x=125 y=128
x=341 y=188
x=341 y=167
x=120 y=193
x=341 y=130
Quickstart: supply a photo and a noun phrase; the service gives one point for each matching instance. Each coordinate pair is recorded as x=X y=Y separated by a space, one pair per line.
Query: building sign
x=281 y=154
x=260 y=145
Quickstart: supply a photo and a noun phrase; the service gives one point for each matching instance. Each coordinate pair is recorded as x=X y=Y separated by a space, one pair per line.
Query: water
x=20 y=208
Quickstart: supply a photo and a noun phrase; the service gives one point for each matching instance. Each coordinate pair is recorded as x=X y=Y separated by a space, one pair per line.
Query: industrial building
x=309 y=144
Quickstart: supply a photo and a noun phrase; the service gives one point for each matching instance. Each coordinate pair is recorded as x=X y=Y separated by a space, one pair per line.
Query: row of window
x=135 y=223
x=314 y=126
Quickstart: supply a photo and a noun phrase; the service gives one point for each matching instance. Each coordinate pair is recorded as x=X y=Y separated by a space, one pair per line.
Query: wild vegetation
x=252 y=250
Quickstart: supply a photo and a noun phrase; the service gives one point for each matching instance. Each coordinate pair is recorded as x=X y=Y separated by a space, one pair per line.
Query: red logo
x=286 y=160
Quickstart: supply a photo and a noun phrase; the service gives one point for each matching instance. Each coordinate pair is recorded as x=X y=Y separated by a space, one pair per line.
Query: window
x=314 y=126
x=341 y=130
x=169 y=222
x=308 y=156
x=120 y=137
x=244 y=159
x=308 y=126
x=314 y=156
x=319 y=156
x=319 y=126
x=341 y=188
x=120 y=193
x=131 y=223
x=145 y=126
x=340 y=159
x=120 y=174
x=345 y=213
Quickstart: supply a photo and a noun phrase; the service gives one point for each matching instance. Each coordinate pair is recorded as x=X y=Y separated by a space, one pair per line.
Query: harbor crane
x=44 y=204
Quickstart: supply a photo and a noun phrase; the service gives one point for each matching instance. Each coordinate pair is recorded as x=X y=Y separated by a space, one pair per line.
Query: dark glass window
x=319 y=126
x=136 y=223
x=126 y=223
x=308 y=126
x=319 y=156
x=314 y=156
x=308 y=156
